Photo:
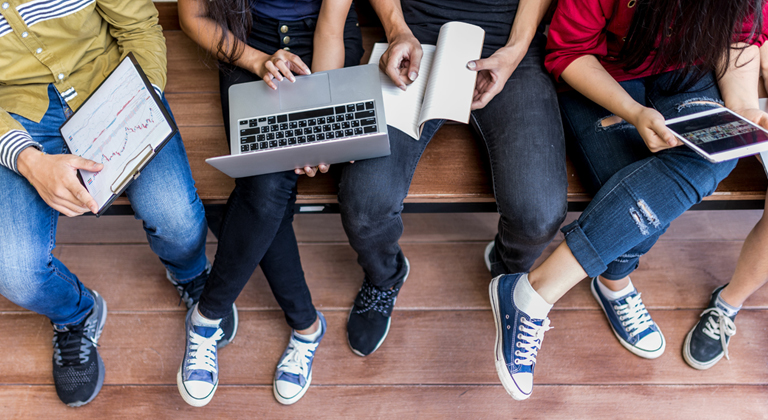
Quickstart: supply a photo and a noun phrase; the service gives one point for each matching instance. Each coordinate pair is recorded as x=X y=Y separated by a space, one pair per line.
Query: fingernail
x=471 y=65
x=402 y=87
x=413 y=75
x=292 y=79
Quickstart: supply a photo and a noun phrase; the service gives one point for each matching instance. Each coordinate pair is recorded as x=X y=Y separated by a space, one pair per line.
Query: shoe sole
x=389 y=321
x=498 y=353
x=223 y=343
x=100 y=381
x=487 y=254
x=693 y=362
x=194 y=402
x=292 y=400
x=632 y=349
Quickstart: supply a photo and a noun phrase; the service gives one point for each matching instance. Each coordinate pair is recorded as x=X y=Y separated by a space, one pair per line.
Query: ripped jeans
x=636 y=193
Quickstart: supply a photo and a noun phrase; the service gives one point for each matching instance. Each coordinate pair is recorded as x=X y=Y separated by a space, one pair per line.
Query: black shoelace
x=192 y=290
x=375 y=299
x=69 y=343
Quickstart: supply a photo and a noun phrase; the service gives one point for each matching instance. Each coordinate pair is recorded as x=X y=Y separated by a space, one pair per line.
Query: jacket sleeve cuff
x=11 y=145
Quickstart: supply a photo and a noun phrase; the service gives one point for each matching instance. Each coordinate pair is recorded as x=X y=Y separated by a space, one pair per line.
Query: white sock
x=528 y=300
x=199 y=320
x=310 y=338
x=729 y=310
x=610 y=294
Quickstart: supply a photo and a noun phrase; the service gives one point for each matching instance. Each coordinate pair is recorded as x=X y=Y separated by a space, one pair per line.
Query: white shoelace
x=719 y=330
x=531 y=342
x=633 y=315
x=297 y=357
x=202 y=350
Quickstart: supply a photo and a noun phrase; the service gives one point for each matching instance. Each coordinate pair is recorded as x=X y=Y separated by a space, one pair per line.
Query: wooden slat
x=403 y=402
x=423 y=347
x=443 y=276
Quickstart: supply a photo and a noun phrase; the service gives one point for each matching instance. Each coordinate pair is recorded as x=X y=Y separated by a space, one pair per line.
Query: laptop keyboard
x=312 y=126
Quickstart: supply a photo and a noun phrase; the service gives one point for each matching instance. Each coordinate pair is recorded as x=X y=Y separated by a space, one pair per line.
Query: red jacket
x=600 y=28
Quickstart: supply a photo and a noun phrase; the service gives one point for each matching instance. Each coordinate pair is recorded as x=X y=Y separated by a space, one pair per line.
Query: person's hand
x=402 y=59
x=652 y=128
x=55 y=179
x=755 y=115
x=311 y=171
x=281 y=64
x=493 y=73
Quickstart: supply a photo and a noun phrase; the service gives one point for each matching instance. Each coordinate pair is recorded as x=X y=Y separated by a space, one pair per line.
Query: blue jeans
x=523 y=135
x=163 y=198
x=637 y=193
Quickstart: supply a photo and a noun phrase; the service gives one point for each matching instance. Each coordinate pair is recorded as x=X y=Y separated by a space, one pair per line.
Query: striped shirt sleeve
x=11 y=145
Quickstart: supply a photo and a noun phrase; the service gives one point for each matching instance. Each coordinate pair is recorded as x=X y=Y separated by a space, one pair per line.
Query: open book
x=445 y=86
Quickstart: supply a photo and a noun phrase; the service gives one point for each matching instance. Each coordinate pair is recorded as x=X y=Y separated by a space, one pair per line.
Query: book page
x=451 y=83
x=402 y=108
x=115 y=125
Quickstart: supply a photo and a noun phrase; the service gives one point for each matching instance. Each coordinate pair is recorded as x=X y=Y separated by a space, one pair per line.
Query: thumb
x=477 y=65
x=88 y=165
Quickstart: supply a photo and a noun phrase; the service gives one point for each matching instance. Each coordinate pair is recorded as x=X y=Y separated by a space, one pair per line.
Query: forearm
x=14 y=139
x=207 y=33
x=328 y=51
x=391 y=16
x=587 y=76
x=527 y=20
x=738 y=86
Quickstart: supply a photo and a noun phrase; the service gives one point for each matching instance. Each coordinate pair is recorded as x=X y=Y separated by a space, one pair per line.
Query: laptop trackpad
x=307 y=92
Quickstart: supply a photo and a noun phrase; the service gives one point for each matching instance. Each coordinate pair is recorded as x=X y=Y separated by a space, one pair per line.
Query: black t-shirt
x=425 y=17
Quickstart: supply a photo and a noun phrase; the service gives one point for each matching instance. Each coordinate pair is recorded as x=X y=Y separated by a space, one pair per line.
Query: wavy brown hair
x=693 y=34
x=233 y=16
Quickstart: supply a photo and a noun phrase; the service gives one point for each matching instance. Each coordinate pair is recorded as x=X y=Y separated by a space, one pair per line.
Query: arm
x=495 y=70
x=587 y=76
x=328 y=52
x=737 y=86
x=207 y=33
x=135 y=26
x=402 y=59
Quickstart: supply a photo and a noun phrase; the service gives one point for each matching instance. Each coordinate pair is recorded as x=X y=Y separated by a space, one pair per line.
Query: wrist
x=398 y=31
x=27 y=160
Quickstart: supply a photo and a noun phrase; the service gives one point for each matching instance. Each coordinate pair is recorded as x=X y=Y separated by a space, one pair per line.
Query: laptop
x=327 y=117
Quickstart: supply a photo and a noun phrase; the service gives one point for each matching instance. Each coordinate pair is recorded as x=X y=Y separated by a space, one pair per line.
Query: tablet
x=720 y=134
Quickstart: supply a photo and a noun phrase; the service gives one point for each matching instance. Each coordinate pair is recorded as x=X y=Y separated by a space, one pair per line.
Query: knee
x=534 y=225
x=180 y=222
x=23 y=280
x=363 y=210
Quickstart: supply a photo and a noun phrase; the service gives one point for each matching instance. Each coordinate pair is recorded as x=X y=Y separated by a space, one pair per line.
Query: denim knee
x=532 y=224
x=364 y=209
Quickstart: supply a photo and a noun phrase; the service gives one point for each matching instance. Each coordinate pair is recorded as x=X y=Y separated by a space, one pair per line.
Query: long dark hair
x=693 y=34
x=233 y=16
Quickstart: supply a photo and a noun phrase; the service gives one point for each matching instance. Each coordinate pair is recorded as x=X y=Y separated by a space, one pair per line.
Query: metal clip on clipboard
x=132 y=170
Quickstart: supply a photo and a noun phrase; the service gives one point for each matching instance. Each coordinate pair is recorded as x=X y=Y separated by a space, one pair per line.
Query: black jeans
x=257 y=224
x=523 y=134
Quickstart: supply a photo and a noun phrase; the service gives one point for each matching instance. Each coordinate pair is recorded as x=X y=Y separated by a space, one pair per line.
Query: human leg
x=523 y=135
x=371 y=194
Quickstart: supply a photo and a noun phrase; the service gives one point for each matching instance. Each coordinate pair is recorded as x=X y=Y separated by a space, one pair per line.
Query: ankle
x=615 y=285
x=199 y=319
x=731 y=299
x=613 y=293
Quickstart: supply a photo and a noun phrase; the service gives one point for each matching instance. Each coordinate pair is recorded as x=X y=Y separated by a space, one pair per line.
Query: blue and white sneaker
x=631 y=323
x=294 y=372
x=198 y=374
x=518 y=338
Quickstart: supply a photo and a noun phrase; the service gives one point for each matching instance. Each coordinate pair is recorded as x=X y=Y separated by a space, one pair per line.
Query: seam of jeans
x=488 y=150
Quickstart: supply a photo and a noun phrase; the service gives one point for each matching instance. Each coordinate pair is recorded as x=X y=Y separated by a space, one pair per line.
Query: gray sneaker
x=78 y=371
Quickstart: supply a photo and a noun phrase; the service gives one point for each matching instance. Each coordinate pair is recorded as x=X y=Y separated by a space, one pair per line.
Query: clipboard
x=123 y=124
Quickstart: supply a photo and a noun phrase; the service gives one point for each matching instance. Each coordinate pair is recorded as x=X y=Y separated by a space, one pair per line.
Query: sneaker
x=490 y=254
x=294 y=372
x=631 y=323
x=190 y=292
x=371 y=315
x=707 y=342
x=198 y=375
x=518 y=338
x=78 y=370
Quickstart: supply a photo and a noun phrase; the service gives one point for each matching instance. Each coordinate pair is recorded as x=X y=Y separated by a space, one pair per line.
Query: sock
x=611 y=295
x=310 y=338
x=527 y=300
x=728 y=310
x=199 y=320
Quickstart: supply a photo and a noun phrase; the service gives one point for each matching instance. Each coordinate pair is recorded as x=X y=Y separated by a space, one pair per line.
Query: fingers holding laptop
x=402 y=59
x=55 y=179
x=281 y=64
x=311 y=171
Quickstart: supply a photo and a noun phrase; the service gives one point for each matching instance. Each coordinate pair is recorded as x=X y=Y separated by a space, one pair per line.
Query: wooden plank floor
x=436 y=362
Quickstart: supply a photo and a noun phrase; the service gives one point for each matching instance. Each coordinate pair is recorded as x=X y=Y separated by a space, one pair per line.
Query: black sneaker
x=190 y=292
x=78 y=370
x=370 y=317
x=707 y=342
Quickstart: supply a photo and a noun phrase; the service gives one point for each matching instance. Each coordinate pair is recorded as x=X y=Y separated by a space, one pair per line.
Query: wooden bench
x=451 y=176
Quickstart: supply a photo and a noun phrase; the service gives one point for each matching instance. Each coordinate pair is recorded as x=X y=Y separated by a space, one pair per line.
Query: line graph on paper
x=113 y=126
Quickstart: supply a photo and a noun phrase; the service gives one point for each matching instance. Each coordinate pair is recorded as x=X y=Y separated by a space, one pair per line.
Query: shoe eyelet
x=517 y=361
x=506 y=316
x=508 y=326
x=517 y=353
x=518 y=345
x=519 y=336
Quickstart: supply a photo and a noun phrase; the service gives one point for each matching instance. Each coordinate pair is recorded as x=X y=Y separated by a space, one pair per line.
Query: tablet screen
x=719 y=132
